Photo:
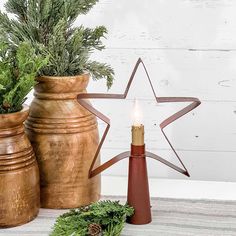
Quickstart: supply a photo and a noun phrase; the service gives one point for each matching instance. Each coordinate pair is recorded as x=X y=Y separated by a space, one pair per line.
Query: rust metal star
x=194 y=102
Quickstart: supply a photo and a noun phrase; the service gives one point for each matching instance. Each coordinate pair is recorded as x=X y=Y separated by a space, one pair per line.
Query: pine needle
x=111 y=216
x=48 y=26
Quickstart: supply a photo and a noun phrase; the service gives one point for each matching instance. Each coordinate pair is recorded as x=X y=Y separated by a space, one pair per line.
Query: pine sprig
x=18 y=68
x=111 y=216
x=48 y=26
x=18 y=8
x=101 y=70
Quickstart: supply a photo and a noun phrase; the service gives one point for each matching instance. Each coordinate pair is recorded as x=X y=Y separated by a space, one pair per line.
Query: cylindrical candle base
x=138 y=189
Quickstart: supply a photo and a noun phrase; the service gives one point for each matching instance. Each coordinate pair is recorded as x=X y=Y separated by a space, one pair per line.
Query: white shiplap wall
x=189 y=48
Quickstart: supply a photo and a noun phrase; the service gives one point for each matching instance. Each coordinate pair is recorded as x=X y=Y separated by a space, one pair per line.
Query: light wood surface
x=64 y=136
x=189 y=48
x=19 y=176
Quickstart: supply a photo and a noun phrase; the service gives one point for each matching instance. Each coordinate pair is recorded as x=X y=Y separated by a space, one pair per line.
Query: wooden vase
x=65 y=137
x=19 y=175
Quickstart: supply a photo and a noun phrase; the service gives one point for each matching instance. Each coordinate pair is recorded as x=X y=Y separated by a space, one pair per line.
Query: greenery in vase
x=48 y=25
x=18 y=68
x=109 y=215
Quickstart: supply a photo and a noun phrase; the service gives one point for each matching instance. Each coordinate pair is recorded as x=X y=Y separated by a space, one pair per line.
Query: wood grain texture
x=189 y=48
x=188 y=133
x=19 y=175
x=180 y=24
x=216 y=166
x=65 y=137
x=207 y=75
x=206 y=137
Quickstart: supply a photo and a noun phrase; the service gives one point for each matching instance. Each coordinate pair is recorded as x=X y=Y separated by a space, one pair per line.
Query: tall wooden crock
x=19 y=176
x=64 y=136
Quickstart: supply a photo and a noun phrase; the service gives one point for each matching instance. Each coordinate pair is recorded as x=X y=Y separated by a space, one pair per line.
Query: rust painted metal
x=134 y=179
x=194 y=102
x=138 y=188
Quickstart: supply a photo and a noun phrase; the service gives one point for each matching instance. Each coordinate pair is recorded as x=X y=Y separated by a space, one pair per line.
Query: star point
x=194 y=102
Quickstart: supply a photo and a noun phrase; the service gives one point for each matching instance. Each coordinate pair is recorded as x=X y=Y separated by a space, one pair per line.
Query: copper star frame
x=194 y=102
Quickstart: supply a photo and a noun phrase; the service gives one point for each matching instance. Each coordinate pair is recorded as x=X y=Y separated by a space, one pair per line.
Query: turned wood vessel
x=19 y=176
x=65 y=137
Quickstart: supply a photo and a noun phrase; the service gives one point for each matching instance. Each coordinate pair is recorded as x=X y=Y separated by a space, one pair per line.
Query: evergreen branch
x=17 y=75
x=5 y=23
x=92 y=37
x=101 y=70
x=18 y=8
x=14 y=31
x=111 y=216
x=47 y=25
x=73 y=8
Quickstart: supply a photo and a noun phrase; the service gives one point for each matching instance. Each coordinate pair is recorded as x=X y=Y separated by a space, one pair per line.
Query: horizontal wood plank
x=191 y=24
x=207 y=75
x=189 y=48
x=179 y=24
x=208 y=128
x=210 y=166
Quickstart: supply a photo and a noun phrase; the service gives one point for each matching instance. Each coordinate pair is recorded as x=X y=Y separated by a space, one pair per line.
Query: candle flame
x=137 y=113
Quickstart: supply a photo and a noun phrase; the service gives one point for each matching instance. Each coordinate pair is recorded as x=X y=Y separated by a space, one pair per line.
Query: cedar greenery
x=111 y=216
x=18 y=68
x=48 y=25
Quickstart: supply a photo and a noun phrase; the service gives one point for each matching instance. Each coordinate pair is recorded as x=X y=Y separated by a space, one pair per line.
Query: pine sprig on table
x=111 y=216
x=48 y=25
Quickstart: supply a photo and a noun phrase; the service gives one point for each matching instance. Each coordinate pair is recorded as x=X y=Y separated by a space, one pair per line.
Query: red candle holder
x=138 y=188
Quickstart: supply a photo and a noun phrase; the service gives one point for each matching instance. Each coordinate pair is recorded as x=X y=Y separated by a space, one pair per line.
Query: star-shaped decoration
x=194 y=102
